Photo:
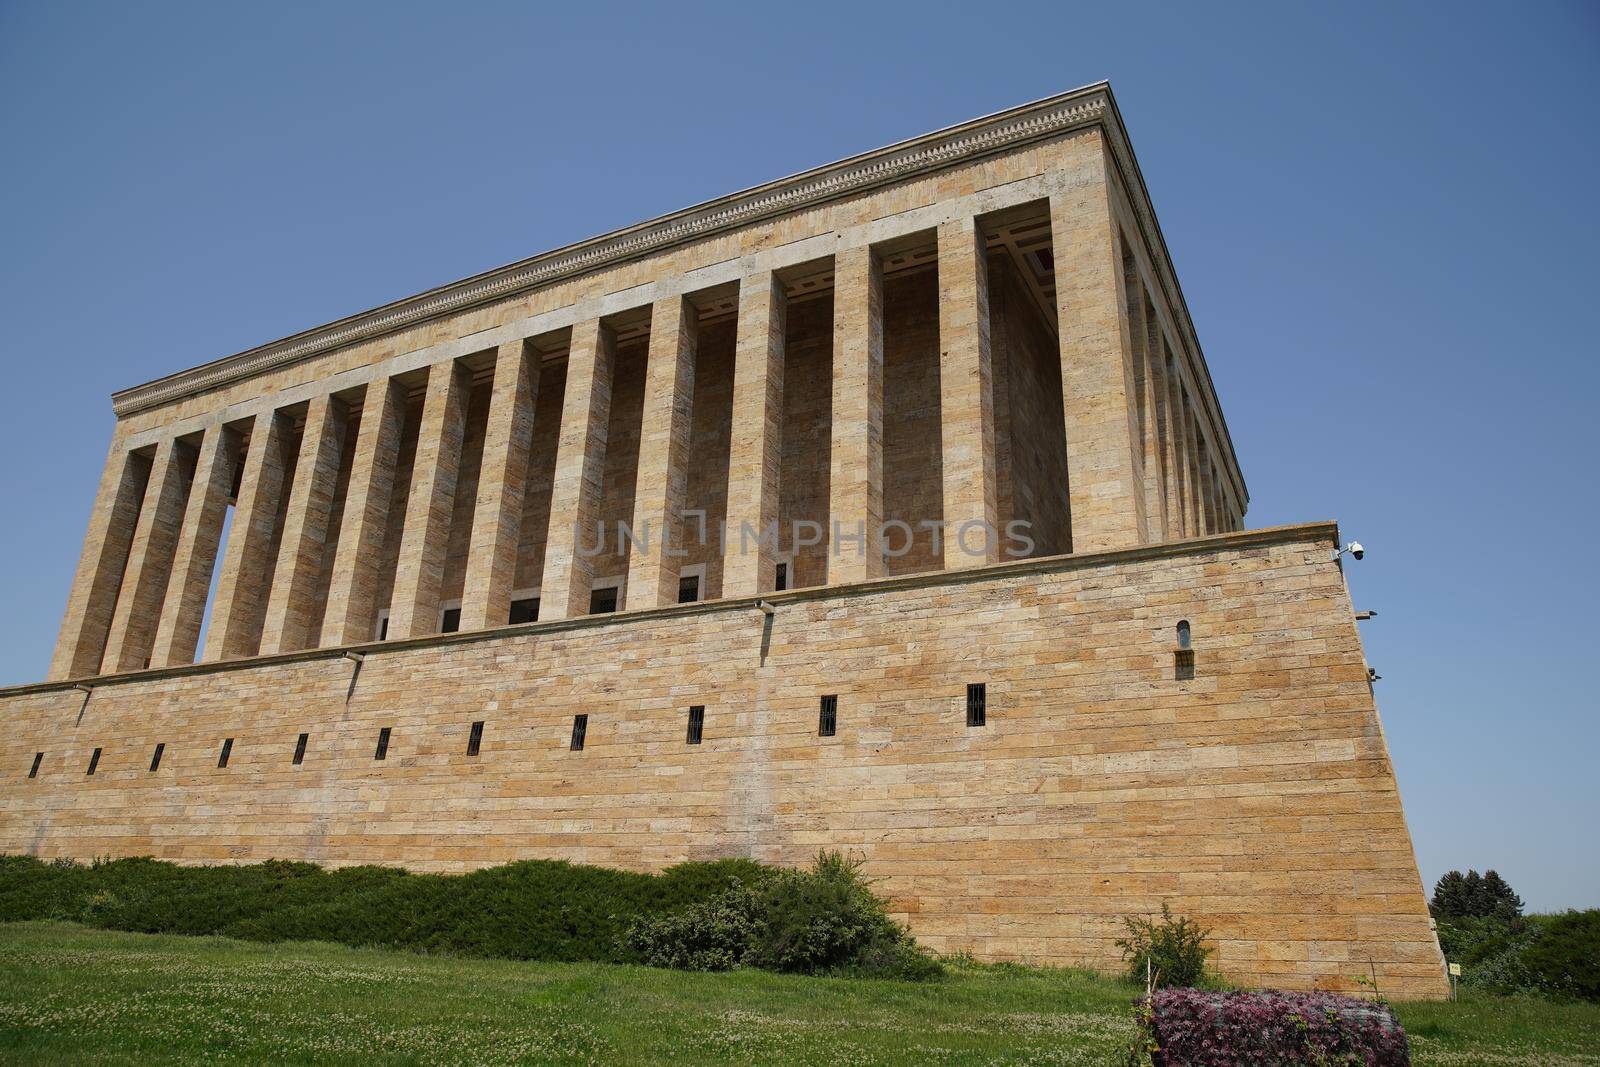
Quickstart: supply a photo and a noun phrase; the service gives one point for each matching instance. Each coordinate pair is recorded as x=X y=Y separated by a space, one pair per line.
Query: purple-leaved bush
x=1193 y=1028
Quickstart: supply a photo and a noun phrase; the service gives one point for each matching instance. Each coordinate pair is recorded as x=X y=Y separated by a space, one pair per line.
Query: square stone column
x=93 y=597
x=1146 y=346
x=1197 y=525
x=1097 y=382
x=305 y=530
x=1208 y=485
x=497 y=516
x=353 y=589
x=966 y=399
x=178 y=633
x=144 y=582
x=855 y=473
x=243 y=587
x=1178 y=432
x=655 y=553
x=755 y=456
x=425 y=539
x=580 y=466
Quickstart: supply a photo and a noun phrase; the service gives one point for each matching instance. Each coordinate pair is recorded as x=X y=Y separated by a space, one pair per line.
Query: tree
x=1497 y=898
x=1471 y=895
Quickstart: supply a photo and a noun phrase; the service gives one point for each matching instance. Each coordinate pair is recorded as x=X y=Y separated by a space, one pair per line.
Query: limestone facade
x=948 y=404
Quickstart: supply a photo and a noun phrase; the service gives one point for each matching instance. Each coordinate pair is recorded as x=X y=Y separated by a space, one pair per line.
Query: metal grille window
x=525 y=610
x=828 y=717
x=94 y=761
x=781 y=579
x=689 y=589
x=977 y=704
x=697 y=724
x=1183 y=633
x=475 y=739
x=383 y=744
x=300 y=749
x=38 y=758
x=1183 y=664
x=603 y=601
x=450 y=621
x=227 y=750
x=580 y=727
x=155 y=757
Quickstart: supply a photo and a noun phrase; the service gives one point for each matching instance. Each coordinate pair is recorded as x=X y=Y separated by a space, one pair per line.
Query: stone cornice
x=943 y=148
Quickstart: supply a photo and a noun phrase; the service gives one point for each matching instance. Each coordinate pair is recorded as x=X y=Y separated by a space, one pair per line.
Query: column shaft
x=425 y=539
x=1197 y=525
x=663 y=476
x=1208 y=499
x=144 y=581
x=1147 y=376
x=755 y=457
x=305 y=530
x=1179 y=418
x=580 y=466
x=1097 y=383
x=966 y=398
x=352 y=591
x=93 y=597
x=855 y=476
x=497 y=518
x=178 y=632
x=243 y=587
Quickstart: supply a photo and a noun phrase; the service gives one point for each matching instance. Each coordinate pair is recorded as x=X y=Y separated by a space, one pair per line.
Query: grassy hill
x=69 y=994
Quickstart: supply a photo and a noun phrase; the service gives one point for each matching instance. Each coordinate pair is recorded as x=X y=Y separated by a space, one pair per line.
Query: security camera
x=1354 y=548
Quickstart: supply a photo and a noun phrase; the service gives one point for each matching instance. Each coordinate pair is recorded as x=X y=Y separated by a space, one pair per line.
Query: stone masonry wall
x=1257 y=798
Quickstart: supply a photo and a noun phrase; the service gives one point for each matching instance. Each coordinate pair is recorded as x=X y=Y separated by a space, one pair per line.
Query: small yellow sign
x=1455 y=970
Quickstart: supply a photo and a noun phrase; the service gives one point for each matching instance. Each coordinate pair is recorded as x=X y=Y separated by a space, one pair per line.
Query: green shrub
x=537 y=909
x=705 y=916
x=1171 y=951
x=1564 y=955
x=825 y=920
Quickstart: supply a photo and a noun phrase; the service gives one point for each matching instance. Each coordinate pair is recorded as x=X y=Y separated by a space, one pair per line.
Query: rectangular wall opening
x=300 y=749
x=913 y=443
x=38 y=758
x=828 y=716
x=580 y=730
x=482 y=367
x=155 y=757
x=227 y=751
x=619 y=483
x=705 y=499
x=977 y=704
x=697 y=724
x=1025 y=354
x=475 y=738
x=807 y=423
x=551 y=353
x=382 y=751
x=414 y=384
x=94 y=762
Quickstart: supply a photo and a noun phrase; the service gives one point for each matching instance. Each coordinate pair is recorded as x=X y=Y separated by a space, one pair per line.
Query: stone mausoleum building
x=887 y=507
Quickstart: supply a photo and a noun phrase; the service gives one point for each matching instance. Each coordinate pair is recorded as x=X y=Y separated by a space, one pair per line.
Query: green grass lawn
x=70 y=994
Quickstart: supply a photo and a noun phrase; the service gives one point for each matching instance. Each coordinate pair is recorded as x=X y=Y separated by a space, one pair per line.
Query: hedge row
x=534 y=910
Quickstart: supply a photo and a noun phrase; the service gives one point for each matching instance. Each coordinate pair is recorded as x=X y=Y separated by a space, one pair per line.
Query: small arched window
x=1183 y=633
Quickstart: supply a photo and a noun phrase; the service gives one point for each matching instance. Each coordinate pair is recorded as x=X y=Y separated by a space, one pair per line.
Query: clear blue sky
x=1383 y=217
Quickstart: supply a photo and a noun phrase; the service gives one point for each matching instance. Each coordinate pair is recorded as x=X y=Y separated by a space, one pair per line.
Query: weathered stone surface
x=1257 y=798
